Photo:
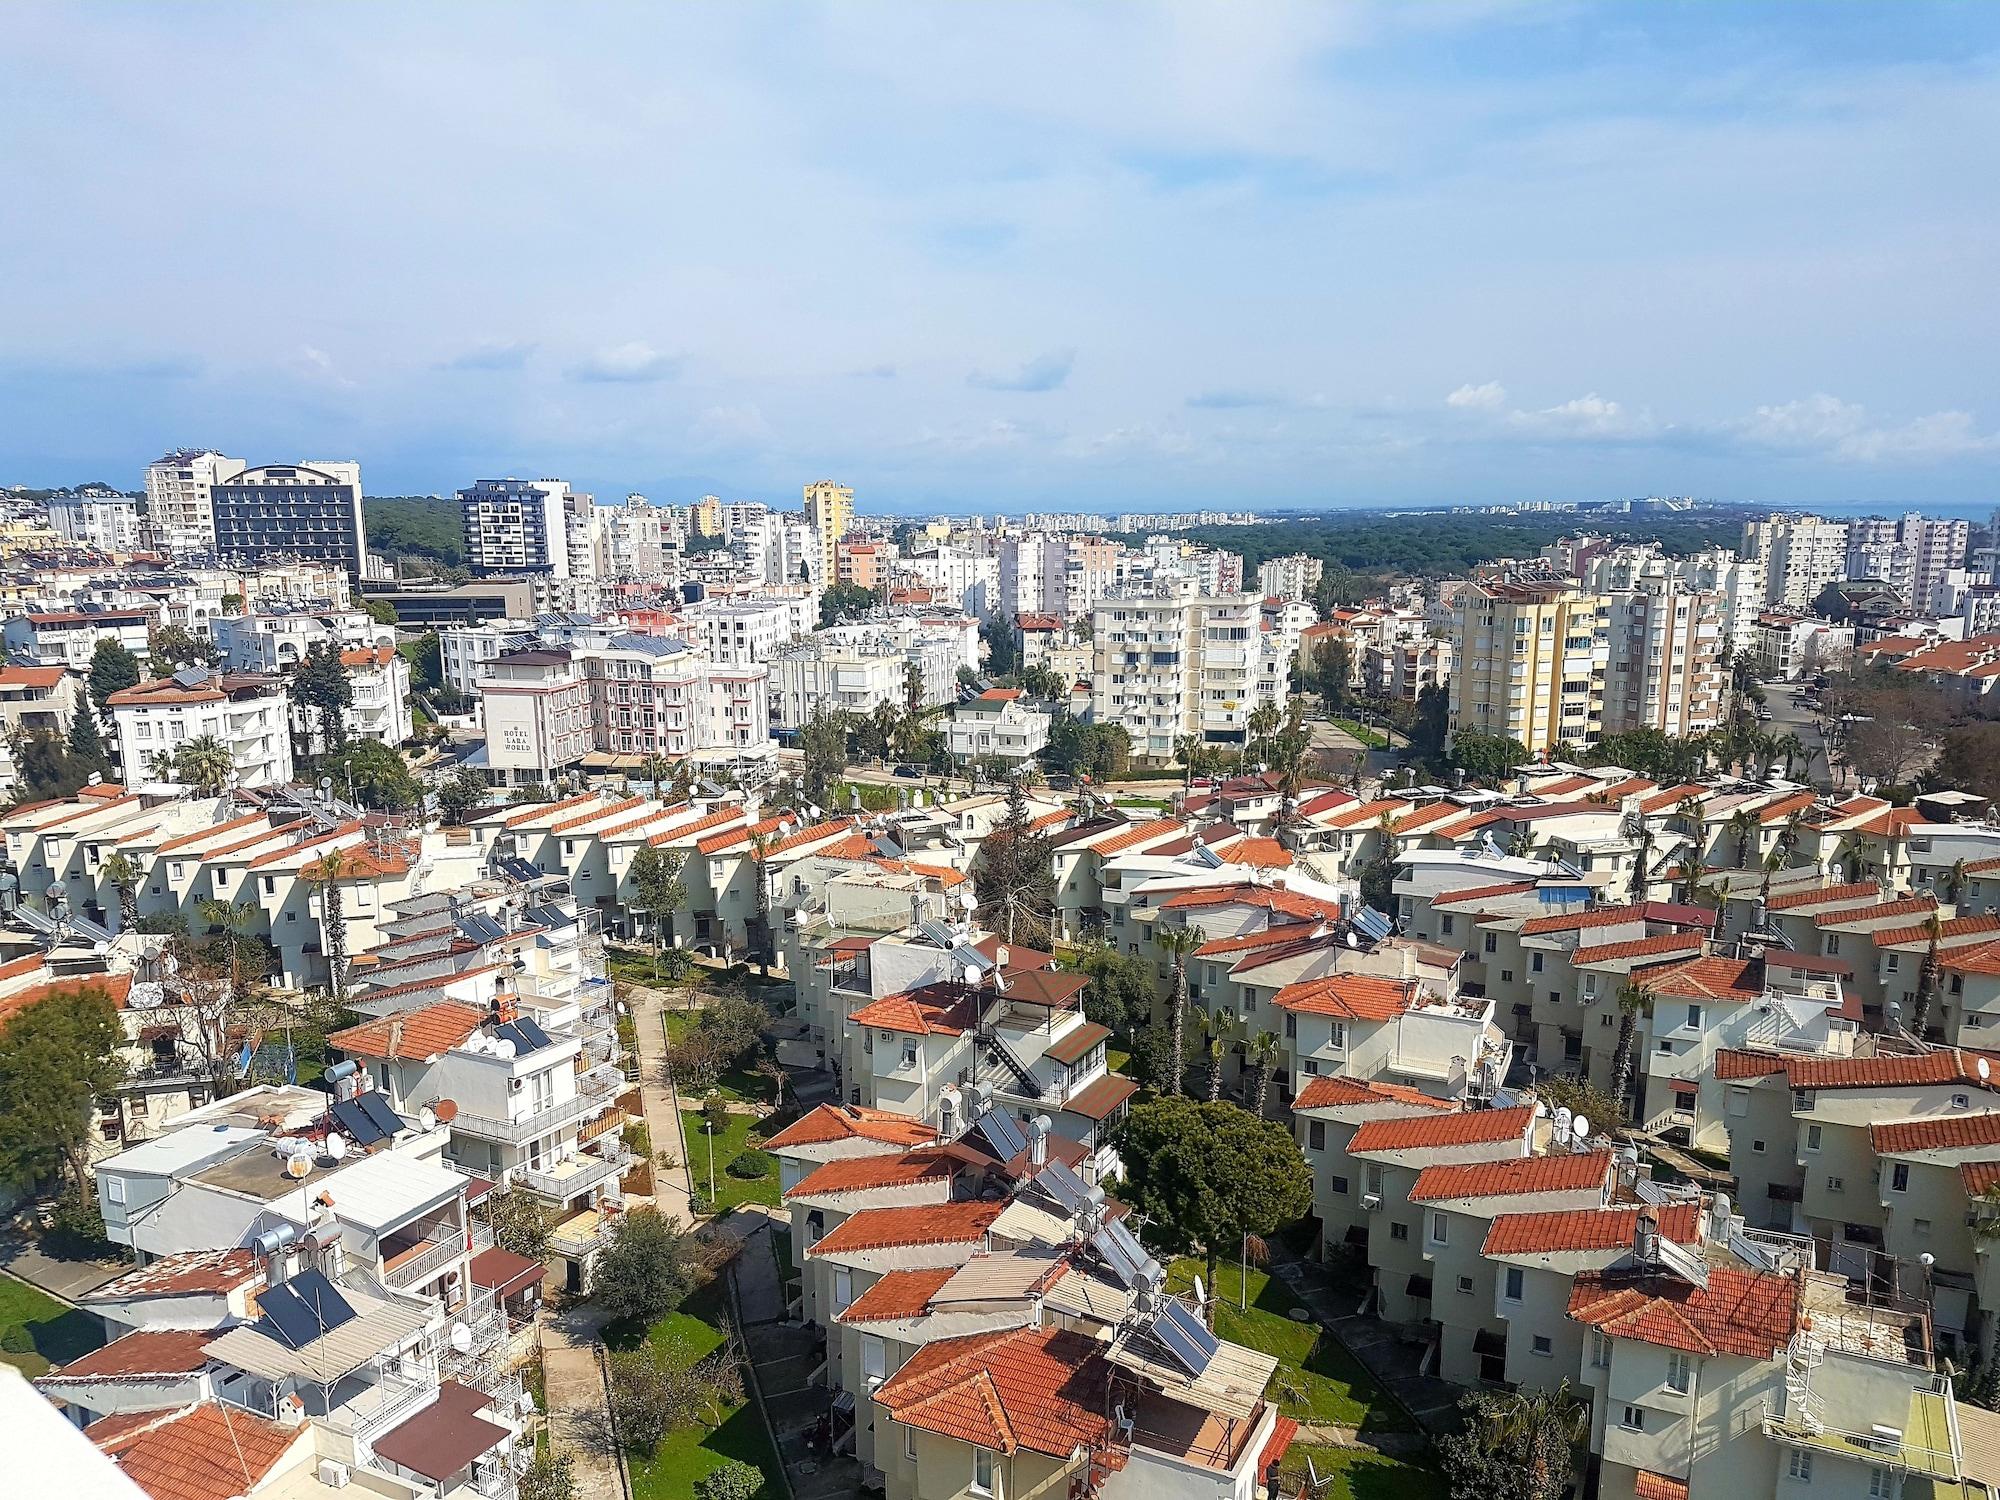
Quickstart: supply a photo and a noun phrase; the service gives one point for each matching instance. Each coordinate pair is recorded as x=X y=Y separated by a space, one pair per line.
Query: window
x=1812 y=1137
x=1399 y=1231
x=1881 y=1484
x=1600 y=1349
x=1892 y=963
x=1679 y=1371
x=1440 y=1230
x=1535 y=963
x=1543 y=1346
x=1316 y=1135
x=874 y=1362
x=1899 y=1177
x=1506 y=976
x=1757 y=1147
x=1492 y=942
x=843 y=1288
x=1921 y=1226
x=1634 y=1419
x=1465 y=1285
x=114 y=1189
x=982 y=1471
x=1694 y=1018
x=1445 y=926
x=1799 y=1466
x=1836 y=1184
x=1516 y=1279
x=910 y=1444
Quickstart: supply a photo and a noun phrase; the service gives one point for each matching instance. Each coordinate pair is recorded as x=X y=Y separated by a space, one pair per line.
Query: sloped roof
x=186 y=1273
x=145 y=1351
x=1328 y=1092
x=1714 y=977
x=207 y=1452
x=1569 y=1173
x=916 y=1224
x=1935 y=1133
x=1355 y=997
x=1660 y=944
x=1039 y=1389
x=861 y=1174
x=1467 y=1127
x=898 y=1294
x=1582 y=1229
x=935 y=1009
x=414 y=1034
x=843 y=1122
x=1748 y=1314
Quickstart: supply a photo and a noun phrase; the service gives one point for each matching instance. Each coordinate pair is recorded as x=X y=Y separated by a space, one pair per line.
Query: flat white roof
x=178 y=1150
x=389 y=1187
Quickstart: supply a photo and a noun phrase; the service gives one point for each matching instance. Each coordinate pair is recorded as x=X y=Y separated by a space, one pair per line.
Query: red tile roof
x=1733 y=1064
x=1330 y=1092
x=899 y=1294
x=1584 y=1229
x=862 y=1174
x=1865 y=890
x=1956 y=927
x=1468 y=1127
x=1892 y=1070
x=1484 y=892
x=1909 y=906
x=118 y=987
x=148 y=1351
x=1354 y=997
x=1980 y=1178
x=913 y=1224
x=1076 y=1044
x=414 y=1034
x=208 y=1452
x=1752 y=1315
x=189 y=1272
x=1575 y=921
x=1096 y=1100
x=1660 y=943
x=1711 y=978
x=1936 y=1133
x=1262 y=852
x=1269 y=898
x=1287 y=932
x=1572 y=1172
x=1648 y=1485
x=936 y=1009
x=1039 y=1389
x=846 y=1122
x=1138 y=834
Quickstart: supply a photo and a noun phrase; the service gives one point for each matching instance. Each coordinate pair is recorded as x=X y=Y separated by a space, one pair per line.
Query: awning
x=1486 y=1341
x=505 y=1273
x=1685 y=1088
x=445 y=1437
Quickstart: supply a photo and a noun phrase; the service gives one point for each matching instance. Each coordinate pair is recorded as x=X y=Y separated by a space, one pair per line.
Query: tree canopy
x=321 y=689
x=56 y=1057
x=112 y=668
x=647 y=1265
x=380 y=779
x=1487 y=758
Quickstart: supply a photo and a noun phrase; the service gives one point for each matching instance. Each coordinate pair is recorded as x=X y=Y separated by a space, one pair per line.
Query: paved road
x=1790 y=716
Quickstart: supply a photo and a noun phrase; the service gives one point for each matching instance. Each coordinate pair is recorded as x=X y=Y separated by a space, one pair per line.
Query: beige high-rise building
x=1529 y=657
x=178 y=502
x=829 y=511
x=1179 y=664
x=706 y=516
x=1801 y=556
x=1664 y=671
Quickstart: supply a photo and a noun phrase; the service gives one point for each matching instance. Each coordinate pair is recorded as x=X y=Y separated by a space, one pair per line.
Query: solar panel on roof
x=297 y=1311
x=1372 y=925
x=188 y=677
x=999 y=1128
x=1126 y=1257
x=480 y=927
x=525 y=1034
x=1180 y=1329
x=350 y=1117
x=1064 y=1186
x=376 y=1107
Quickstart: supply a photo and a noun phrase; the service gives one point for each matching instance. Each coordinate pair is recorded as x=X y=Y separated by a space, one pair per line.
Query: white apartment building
x=519 y=526
x=1801 y=556
x=1293 y=577
x=1738 y=583
x=381 y=707
x=536 y=708
x=854 y=667
x=177 y=497
x=68 y=638
x=744 y=632
x=1663 y=672
x=629 y=540
x=111 y=524
x=962 y=579
x=1791 y=646
x=467 y=650
x=249 y=714
x=1176 y=664
x=277 y=642
x=1910 y=553
x=998 y=722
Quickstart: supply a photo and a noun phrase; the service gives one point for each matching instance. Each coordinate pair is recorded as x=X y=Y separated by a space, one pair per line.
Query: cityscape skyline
x=1310 y=257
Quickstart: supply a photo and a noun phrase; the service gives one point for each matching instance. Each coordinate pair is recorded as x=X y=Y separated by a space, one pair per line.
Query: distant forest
x=424 y=526
x=1438 y=544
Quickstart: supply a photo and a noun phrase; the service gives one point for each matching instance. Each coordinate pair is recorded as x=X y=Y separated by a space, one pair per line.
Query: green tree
x=234 y=944
x=1178 y=943
x=1433 y=722
x=56 y=1057
x=1003 y=647
x=204 y=765
x=549 y=1476
x=1207 y=1174
x=1118 y=990
x=659 y=892
x=1015 y=878
x=735 y=1480
x=840 y=600
x=123 y=873
x=644 y=1269
x=376 y=776
x=381 y=611
x=172 y=647
x=823 y=747
x=321 y=689
x=86 y=747
x=1579 y=1097
x=1486 y=759
x=426 y=658
x=1927 y=977
x=1265 y=1049
x=1515 y=1445
x=521 y=1223
x=657 y=1388
x=42 y=770
x=462 y=794
x=112 y=669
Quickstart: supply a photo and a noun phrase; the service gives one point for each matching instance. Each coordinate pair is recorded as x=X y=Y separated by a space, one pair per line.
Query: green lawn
x=738 y=1083
x=1374 y=739
x=1367 y=1475
x=684 y=1456
x=1317 y=1380
x=59 y=1333
x=741 y=1133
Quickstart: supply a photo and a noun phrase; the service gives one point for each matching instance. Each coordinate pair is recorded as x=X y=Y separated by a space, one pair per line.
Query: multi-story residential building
x=1293 y=577
x=1801 y=556
x=536 y=708
x=1790 y=646
x=518 y=526
x=278 y=641
x=381 y=707
x=830 y=512
x=650 y=695
x=1737 y=583
x=860 y=564
x=1664 y=670
x=308 y=510
x=1403 y=669
x=1530 y=657
x=1912 y=554
x=1180 y=664
x=179 y=501
x=466 y=650
x=743 y=632
x=999 y=722
x=37 y=698
x=108 y=523
x=249 y=714
x=68 y=638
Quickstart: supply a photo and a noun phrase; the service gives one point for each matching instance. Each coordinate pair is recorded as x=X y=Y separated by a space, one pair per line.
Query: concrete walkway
x=671 y=1186
x=65 y=1280
x=578 y=1401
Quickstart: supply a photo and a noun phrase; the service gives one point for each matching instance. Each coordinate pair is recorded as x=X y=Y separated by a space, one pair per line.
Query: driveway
x=661 y=1102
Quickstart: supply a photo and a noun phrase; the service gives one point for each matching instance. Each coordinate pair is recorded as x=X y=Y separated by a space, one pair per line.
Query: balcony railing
x=588 y=1170
x=435 y=1255
x=529 y=1126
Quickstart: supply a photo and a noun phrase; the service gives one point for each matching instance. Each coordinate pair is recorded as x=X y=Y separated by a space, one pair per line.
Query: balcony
x=539 y=1122
x=577 y=1175
x=423 y=1260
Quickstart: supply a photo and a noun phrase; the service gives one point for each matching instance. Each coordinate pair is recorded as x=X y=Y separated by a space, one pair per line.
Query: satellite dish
x=1562 y=1119
x=1200 y=1293
x=1927 y=1260
x=336 y=1146
x=1985 y=1070
x=427 y=1118
x=969 y=899
x=461 y=1338
x=447 y=1110
x=502 y=1047
x=971 y=974
x=143 y=997
x=1580 y=1128
x=171 y=964
x=296 y=1167
x=1353 y=941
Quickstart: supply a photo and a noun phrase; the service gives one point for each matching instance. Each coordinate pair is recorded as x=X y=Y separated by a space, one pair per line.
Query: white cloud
x=1587 y=417
x=1488 y=397
x=631 y=363
x=1829 y=426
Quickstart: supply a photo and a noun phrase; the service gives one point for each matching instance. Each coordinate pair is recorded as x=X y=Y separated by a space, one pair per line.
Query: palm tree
x=233 y=925
x=123 y=873
x=1741 y=826
x=205 y=764
x=327 y=872
x=1217 y=1050
x=1264 y=1051
x=1686 y=874
x=1188 y=747
x=1927 y=977
x=1178 y=943
x=760 y=845
x=160 y=765
x=1952 y=887
x=654 y=768
x=1848 y=852
x=1772 y=862
x=1633 y=1002
x=1546 y=1428
x=1640 y=831
x=1794 y=752
x=1258 y=728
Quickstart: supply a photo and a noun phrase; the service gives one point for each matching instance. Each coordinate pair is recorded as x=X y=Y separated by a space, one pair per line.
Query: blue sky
x=974 y=256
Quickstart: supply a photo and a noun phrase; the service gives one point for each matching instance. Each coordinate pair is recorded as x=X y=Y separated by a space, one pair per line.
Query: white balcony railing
x=439 y=1253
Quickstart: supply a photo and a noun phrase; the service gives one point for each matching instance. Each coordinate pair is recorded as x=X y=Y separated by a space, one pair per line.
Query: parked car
x=907 y=770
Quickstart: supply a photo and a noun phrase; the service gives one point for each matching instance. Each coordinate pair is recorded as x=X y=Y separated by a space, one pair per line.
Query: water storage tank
x=693 y=592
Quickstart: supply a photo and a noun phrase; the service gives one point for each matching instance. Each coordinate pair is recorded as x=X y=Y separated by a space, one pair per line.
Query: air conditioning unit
x=333 y=1474
x=1370 y=1202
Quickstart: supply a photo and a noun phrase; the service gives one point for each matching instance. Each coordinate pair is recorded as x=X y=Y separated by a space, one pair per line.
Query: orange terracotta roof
x=208 y=833
x=846 y=1122
x=368 y=656
x=413 y=1035
x=1731 y=1064
x=1751 y=1315
x=1673 y=796
x=1569 y=1231
x=1979 y=958
x=1288 y=932
x=1980 y=1178
x=1039 y=1389
x=1909 y=906
x=1423 y=817
x=686 y=830
x=899 y=1294
x=1936 y=1133
x=146 y=1351
x=1484 y=892
x=1261 y=852
x=1648 y=1485
x=1140 y=833
x=1784 y=807
x=1859 y=891
x=916 y=1224
x=1956 y=927
x=715 y=843
x=32 y=677
x=345 y=830
x=1569 y=1173
x=1574 y=921
x=1465 y=1127
x=607 y=810
x=1710 y=978
x=1328 y=1092
x=207 y=1452
x=1269 y=898
x=1891 y=1070
x=1096 y=1100
x=805 y=836
x=936 y=1009
x=862 y=1174
x=1356 y=997
x=117 y=986
x=1646 y=947
x=188 y=1272
x=529 y=814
